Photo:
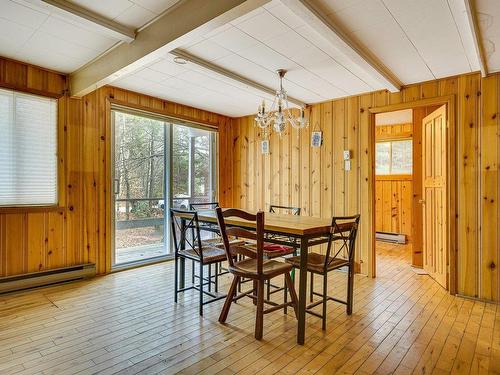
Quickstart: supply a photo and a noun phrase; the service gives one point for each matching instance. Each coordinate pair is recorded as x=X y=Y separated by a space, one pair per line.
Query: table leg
x=182 y=261
x=301 y=329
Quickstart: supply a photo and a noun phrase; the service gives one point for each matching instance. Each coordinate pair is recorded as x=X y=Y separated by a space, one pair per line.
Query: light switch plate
x=347 y=154
x=347 y=165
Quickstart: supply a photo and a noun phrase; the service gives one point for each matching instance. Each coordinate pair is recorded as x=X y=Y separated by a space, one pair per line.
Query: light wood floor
x=127 y=323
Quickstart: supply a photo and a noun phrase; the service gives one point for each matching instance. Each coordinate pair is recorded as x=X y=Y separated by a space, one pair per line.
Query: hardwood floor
x=127 y=323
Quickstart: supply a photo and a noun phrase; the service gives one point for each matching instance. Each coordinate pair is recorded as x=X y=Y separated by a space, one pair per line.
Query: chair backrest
x=203 y=206
x=208 y=227
x=293 y=210
x=242 y=233
x=343 y=231
x=182 y=222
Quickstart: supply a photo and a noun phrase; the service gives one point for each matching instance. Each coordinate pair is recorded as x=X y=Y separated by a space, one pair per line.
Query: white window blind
x=28 y=149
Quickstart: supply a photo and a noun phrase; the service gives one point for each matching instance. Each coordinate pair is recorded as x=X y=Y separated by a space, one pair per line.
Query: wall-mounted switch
x=347 y=165
x=347 y=154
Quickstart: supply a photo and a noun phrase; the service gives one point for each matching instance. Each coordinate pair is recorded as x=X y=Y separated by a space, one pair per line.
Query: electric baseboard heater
x=44 y=278
x=391 y=237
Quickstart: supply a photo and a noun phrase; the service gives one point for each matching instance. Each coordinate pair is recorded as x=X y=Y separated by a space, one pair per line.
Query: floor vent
x=43 y=278
x=391 y=237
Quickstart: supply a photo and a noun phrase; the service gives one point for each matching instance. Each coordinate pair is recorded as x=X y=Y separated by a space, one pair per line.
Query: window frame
x=42 y=207
x=391 y=141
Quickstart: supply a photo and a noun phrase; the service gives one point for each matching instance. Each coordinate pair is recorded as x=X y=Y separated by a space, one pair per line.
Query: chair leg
x=192 y=272
x=209 y=277
x=268 y=290
x=285 y=296
x=293 y=269
x=255 y=286
x=201 y=289
x=311 y=295
x=176 y=278
x=350 y=289
x=217 y=277
x=293 y=295
x=229 y=299
x=325 y=299
x=259 y=318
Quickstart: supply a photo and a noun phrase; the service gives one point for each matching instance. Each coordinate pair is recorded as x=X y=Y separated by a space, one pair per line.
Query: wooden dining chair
x=274 y=250
x=253 y=267
x=343 y=232
x=188 y=245
x=214 y=235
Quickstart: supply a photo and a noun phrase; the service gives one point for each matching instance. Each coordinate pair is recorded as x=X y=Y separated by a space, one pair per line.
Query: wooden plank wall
x=394 y=193
x=393 y=204
x=397 y=131
x=75 y=232
x=315 y=180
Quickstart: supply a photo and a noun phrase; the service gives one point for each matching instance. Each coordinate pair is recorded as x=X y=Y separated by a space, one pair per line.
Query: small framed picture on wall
x=264 y=146
x=316 y=139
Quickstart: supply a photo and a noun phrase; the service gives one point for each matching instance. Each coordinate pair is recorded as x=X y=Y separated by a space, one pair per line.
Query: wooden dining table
x=300 y=232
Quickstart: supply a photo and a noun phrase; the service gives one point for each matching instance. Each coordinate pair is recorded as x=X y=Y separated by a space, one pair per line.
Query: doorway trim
x=451 y=193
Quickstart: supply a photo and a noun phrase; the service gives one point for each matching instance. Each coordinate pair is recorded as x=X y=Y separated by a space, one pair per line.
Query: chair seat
x=272 y=250
x=316 y=262
x=270 y=268
x=211 y=254
x=217 y=242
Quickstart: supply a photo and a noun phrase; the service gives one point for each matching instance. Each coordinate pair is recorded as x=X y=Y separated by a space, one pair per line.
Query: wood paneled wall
x=393 y=204
x=394 y=193
x=390 y=132
x=315 y=180
x=77 y=231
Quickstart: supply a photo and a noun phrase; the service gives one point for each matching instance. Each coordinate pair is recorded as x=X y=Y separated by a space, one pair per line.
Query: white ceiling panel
x=37 y=33
x=489 y=25
x=417 y=40
x=132 y=13
x=430 y=26
x=34 y=32
x=193 y=85
x=134 y=16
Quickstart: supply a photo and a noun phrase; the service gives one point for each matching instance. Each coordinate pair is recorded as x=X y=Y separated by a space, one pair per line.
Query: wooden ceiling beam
x=476 y=36
x=233 y=76
x=188 y=20
x=343 y=43
x=106 y=26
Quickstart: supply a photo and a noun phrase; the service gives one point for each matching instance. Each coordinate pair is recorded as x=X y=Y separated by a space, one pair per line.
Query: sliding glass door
x=158 y=164
x=193 y=177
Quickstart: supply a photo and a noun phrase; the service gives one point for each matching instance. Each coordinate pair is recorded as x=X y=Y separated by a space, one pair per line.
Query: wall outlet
x=347 y=154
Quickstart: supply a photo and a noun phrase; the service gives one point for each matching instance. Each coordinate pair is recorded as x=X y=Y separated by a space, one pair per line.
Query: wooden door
x=434 y=192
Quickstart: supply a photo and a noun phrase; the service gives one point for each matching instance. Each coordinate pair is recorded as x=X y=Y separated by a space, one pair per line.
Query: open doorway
x=411 y=188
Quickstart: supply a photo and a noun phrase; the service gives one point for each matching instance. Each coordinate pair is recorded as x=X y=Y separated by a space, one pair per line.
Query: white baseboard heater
x=43 y=278
x=391 y=237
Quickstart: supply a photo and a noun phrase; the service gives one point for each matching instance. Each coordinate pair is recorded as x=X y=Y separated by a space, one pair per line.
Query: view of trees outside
x=192 y=188
x=394 y=157
x=139 y=179
x=140 y=147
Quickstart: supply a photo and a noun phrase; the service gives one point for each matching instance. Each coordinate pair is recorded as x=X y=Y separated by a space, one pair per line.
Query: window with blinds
x=28 y=149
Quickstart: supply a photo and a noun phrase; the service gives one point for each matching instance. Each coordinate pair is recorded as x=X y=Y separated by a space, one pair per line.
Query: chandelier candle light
x=279 y=114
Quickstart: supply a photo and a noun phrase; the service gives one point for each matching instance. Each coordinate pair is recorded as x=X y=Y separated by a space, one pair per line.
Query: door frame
x=451 y=191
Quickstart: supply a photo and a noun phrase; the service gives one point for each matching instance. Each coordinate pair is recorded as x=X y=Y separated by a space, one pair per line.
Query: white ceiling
x=417 y=40
x=404 y=116
x=35 y=32
x=489 y=25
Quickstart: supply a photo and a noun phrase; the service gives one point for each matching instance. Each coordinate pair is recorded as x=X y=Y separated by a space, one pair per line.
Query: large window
x=159 y=164
x=28 y=149
x=394 y=157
